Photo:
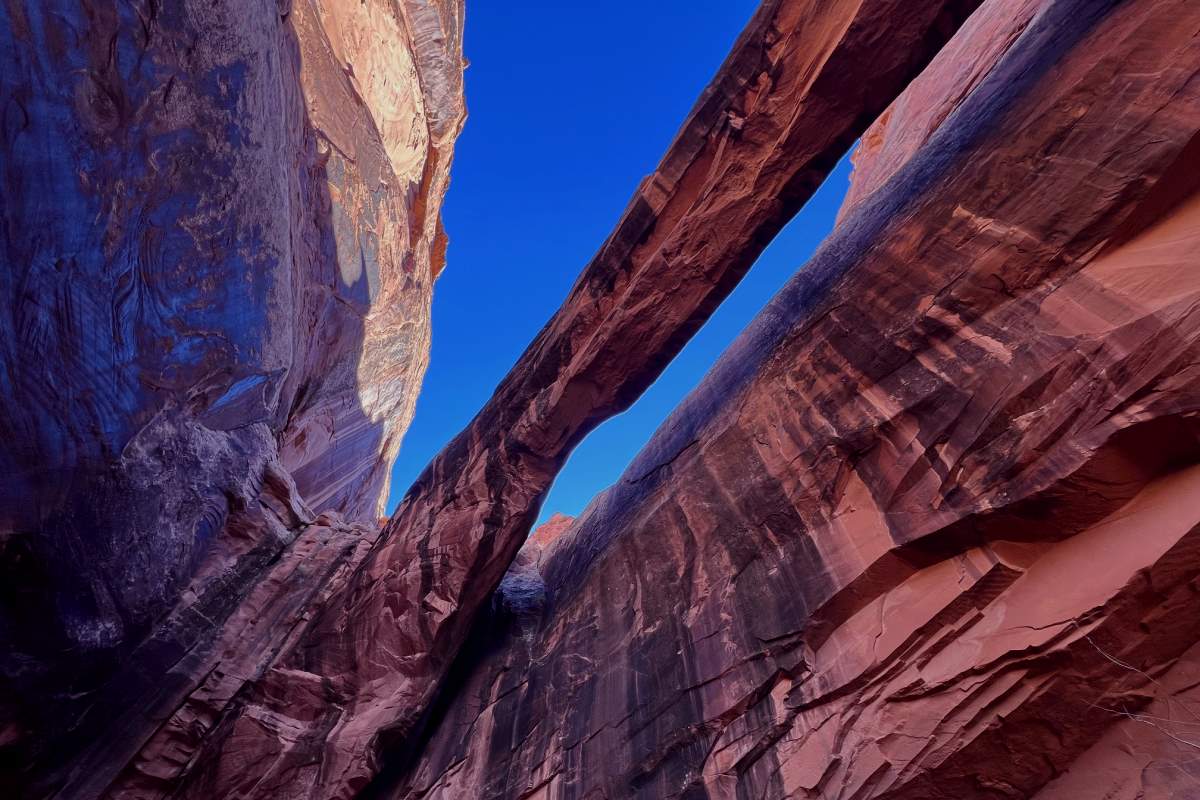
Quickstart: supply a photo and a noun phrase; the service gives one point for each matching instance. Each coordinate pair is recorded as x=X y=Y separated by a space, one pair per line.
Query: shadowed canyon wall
x=928 y=529
x=347 y=698
x=220 y=229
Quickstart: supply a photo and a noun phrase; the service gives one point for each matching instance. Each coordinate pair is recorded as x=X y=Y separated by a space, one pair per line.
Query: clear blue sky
x=569 y=106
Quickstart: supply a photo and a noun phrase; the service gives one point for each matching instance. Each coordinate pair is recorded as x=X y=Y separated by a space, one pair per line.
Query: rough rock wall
x=344 y=701
x=219 y=227
x=929 y=529
x=383 y=81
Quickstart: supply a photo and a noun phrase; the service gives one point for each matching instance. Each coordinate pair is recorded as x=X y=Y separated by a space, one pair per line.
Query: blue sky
x=569 y=107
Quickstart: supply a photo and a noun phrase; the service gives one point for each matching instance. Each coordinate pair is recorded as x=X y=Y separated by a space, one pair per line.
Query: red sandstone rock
x=803 y=80
x=546 y=533
x=929 y=529
x=949 y=79
x=220 y=234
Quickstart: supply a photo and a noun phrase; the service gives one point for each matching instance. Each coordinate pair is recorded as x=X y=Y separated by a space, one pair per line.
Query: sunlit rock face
x=930 y=528
x=304 y=650
x=220 y=230
x=927 y=530
x=382 y=81
x=350 y=690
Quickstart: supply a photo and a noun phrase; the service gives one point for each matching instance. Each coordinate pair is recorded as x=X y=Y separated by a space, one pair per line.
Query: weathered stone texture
x=800 y=86
x=219 y=228
x=929 y=529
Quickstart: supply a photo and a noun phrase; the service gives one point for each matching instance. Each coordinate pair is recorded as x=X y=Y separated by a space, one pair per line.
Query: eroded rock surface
x=930 y=527
x=802 y=82
x=220 y=229
x=927 y=530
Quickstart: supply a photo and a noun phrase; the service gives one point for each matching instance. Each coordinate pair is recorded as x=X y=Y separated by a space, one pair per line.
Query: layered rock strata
x=345 y=701
x=219 y=232
x=929 y=528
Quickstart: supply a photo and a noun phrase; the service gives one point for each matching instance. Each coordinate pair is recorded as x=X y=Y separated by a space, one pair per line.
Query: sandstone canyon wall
x=931 y=527
x=344 y=701
x=220 y=227
x=927 y=530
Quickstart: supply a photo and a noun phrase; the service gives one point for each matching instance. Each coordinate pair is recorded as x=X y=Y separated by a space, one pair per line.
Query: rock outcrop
x=348 y=698
x=930 y=527
x=220 y=227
